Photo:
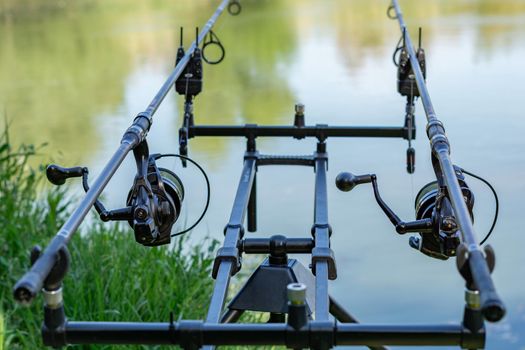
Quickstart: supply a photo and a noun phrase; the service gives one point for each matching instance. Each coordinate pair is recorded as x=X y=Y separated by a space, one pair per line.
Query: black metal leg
x=231 y=316
x=342 y=315
x=227 y=257
x=321 y=230
x=277 y=318
x=252 y=207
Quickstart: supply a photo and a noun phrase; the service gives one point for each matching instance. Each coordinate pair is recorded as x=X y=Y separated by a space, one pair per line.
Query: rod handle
x=31 y=283
x=492 y=306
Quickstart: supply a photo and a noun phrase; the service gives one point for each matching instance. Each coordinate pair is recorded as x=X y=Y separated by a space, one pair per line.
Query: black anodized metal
x=318 y=131
x=291 y=245
x=231 y=239
x=266 y=334
x=265 y=289
x=321 y=233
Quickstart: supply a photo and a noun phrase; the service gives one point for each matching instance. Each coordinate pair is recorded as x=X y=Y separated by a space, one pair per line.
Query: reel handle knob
x=347 y=181
x=57 y=175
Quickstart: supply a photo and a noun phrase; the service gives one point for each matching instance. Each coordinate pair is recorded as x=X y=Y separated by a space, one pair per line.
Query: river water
x=74 y=75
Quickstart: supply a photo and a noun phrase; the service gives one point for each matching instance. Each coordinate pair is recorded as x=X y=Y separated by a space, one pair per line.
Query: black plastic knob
x=347 y=181
x=411 y=160
x=58 y=175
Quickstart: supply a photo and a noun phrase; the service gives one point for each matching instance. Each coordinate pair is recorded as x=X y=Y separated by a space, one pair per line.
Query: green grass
x=2 y=331
x=111 y=278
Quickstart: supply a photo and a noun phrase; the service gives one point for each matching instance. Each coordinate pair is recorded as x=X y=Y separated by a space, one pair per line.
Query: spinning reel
x=432 y=203
x=154 y=201
x=439 y=236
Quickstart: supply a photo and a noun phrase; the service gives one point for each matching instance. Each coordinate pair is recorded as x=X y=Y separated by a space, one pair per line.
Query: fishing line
x=208 y=191
x=496 y=212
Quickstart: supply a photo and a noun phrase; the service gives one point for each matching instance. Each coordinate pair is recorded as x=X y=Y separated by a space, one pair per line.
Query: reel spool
x=443 y=239
x=152 y=224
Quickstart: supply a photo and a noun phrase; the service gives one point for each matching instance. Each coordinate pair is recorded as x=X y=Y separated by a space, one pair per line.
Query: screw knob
x=299 y=109
x=296 y=293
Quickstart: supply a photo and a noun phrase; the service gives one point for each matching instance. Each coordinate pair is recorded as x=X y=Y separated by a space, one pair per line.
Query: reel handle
x=58 y=175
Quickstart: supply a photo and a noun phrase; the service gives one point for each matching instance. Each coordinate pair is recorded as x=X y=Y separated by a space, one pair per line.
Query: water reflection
x=250 y=85
x=362 y=30
x=63 y=63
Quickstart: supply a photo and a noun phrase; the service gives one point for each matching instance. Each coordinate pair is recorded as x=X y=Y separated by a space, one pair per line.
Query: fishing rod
x=470 y=252
x=32 y=282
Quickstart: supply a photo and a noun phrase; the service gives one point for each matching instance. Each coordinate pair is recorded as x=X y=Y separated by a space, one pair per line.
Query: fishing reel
x=154 y=201
x=153 y=204
x=432 y=203
x=435 y=222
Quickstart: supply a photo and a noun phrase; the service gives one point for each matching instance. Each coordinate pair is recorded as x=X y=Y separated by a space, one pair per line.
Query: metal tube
x=263 y=334
x=491 y=304
x=321 y=291
x=220 y=291
x=322 y=238
x=231 y=316
x=262 y=245
x=232 y=237
x=377 y=335
x=117 y=333
x=32 y=282
x=342 y=315
x=291 y=131
x=252 y=207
